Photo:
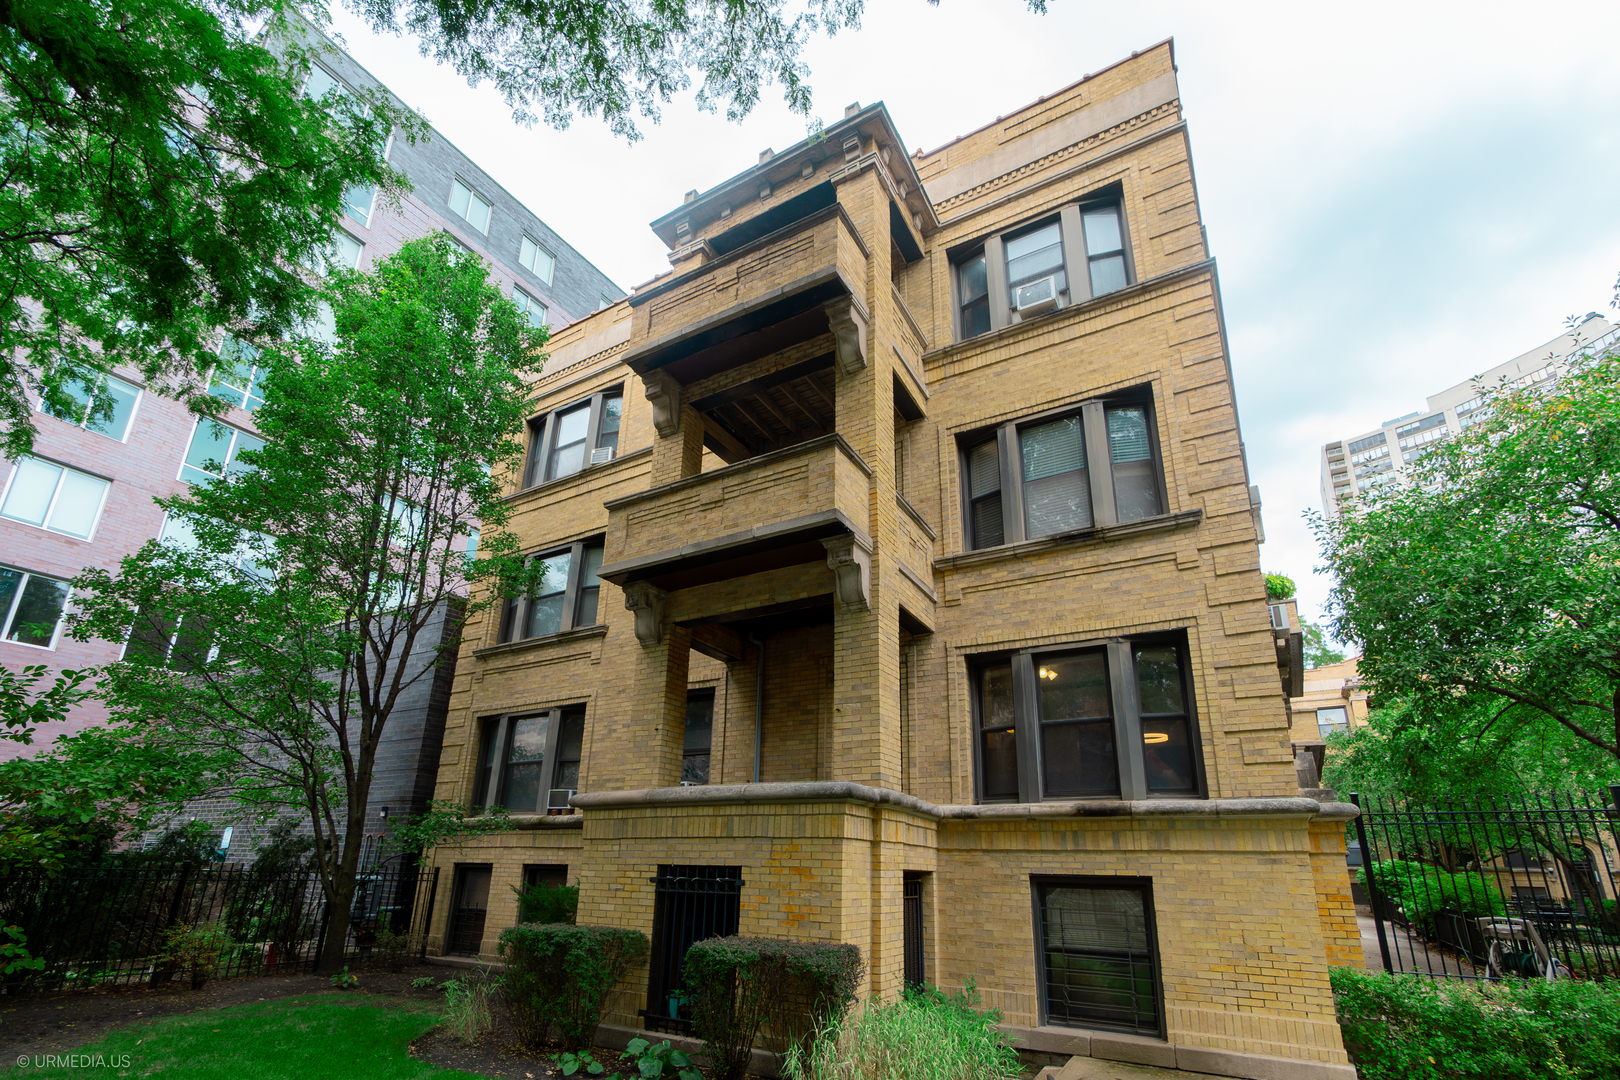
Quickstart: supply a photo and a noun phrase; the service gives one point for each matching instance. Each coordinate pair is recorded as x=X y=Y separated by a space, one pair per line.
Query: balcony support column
x=657 y=715
x=678 y=450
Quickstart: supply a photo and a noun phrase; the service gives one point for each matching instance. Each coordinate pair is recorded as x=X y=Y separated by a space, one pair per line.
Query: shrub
x=1404 y=1027
x=791 y=988
x=1279 y=587
x=467 y=1012
x=195 y=947
x=1423 y=891
x=545 y=903
x=394 y=950
x=926 y=1035
x=561 y=974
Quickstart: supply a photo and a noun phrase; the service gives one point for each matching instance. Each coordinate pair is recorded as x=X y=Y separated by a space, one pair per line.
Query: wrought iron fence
x=1494 y=888
x=109 y=925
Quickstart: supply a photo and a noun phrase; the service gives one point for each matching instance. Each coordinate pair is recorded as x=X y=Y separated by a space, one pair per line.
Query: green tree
x=302 y=615
x=619 y=58
x=161 y=180
x=1318 y=651
x=1492 y=575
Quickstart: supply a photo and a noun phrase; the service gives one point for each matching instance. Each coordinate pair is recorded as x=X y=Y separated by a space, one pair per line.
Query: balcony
x=762 y=296
x=760 y=514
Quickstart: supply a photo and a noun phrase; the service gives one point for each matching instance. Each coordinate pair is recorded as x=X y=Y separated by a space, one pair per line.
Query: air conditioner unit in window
x=601 y=455
x=1036 y=298
x=557 y=798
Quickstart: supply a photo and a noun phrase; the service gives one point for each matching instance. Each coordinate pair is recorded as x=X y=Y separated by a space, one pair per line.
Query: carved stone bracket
x=850 y=560
x=665 y=395
x=849 y=330
x=647 y=601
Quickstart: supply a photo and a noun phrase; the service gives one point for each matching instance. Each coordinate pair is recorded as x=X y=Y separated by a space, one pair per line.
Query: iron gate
x=690 y=904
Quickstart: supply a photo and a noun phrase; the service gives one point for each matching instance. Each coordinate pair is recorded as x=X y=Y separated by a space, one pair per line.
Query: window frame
x=10 y=611
x=515 y=610
x=83 y=422
x=1099 y=464
x=1144 y=884
x=543 y=434
x=247 y=354
x=1325 y=729
x=544 y=279
x=490 y=790
x=472 y=193
x=44 y=524
x=711 y=695
x=230 y=454
x=1126 y=716
x=528 y=303
x=1076 y=260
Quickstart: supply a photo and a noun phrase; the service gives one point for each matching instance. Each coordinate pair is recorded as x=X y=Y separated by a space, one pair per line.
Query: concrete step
x=1088 y=1068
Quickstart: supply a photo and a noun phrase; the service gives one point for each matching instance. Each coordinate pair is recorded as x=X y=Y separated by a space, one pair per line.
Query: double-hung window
x=532 y=309
x=1077 y=254
x=1090 y=465
x=536 y=259
x=54 y=497
x=467 y=203
x=699 y=739
x=565 y=594
x=214 y=450
x=566 y=441
x=358 y=202
x=239 y=377
x=529 y=763
x=30 y=607
x=1110 y=719
x=1332 y=720
x=92 y=405
x=1099 y=961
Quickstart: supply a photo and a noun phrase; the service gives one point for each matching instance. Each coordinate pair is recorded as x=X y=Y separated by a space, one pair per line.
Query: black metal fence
x=1495 y=888
x=690 y=904
x=103 y=926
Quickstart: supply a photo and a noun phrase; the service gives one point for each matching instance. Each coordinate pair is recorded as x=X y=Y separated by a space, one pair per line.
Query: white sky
x=1399 y=195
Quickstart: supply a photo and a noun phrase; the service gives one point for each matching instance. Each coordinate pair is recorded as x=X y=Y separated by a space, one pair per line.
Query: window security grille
x=690 y=904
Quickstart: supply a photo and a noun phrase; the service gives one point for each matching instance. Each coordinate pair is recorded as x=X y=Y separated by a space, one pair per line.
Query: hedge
x=1424 y=891
x=560 y=974
x=1412 y=1027
x=790 y=989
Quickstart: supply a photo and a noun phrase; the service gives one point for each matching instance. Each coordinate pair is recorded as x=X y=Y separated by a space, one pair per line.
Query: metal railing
x=104 y=925
x=1492 y=888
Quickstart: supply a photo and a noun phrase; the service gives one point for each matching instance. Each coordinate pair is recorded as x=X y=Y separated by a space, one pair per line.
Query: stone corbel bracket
x=850 y=559
x=665 y=395
x=647 y=601
x=848 y=322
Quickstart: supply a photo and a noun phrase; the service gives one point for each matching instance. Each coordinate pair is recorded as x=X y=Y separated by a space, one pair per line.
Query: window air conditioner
x=601 y=455
x=557 y=798
x=1037 y=298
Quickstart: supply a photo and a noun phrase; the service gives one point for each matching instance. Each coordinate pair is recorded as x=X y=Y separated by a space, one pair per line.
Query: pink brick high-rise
x=903 y=590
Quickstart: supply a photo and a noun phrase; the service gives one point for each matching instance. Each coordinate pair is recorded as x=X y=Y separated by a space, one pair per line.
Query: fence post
x=427 y=918
x=1373 y=896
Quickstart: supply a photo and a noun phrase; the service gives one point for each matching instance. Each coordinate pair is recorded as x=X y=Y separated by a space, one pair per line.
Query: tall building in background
x=84 y=499
x=1356 y=465
x=901 y=588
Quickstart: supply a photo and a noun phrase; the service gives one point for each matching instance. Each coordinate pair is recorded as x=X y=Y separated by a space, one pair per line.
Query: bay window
x=1109 y=719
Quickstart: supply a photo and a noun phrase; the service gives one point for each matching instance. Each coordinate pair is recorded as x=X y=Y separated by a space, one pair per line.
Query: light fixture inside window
x=1155 y=737
x=1048 y=673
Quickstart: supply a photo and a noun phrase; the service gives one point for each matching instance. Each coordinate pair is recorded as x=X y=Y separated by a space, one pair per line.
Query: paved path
x=1407 y=952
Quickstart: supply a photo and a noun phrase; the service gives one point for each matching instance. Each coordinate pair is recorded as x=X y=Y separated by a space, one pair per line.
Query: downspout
x=759 y=703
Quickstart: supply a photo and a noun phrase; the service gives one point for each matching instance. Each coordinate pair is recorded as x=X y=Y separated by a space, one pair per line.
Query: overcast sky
x=1399 y=195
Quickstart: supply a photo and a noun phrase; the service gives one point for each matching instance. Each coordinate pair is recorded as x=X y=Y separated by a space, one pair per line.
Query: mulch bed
x=54 y=1021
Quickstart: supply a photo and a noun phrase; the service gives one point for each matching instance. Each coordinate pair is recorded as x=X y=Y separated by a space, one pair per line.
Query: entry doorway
x=469 y=907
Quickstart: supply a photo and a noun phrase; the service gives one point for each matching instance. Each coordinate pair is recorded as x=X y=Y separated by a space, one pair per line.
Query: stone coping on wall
x=843 y=791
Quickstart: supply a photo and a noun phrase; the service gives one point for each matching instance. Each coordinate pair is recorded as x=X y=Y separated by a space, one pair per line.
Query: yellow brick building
x=902 y=590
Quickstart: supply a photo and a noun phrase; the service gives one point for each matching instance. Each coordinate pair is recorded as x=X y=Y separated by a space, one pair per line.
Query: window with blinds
x=1057 y=491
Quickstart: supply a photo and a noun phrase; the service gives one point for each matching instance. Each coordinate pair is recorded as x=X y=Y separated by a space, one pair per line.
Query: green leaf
x=636 y=1046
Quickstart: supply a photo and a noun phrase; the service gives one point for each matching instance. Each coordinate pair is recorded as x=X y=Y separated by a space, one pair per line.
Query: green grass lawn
x=294 y=1039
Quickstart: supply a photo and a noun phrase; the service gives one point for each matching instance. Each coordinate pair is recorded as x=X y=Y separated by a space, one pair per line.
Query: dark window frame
x=1093 y=413
x=711 y=695
x=543 y=432
x=1038 y=925
x=1127 y=718
x=490 y=772
x=515 y=611
x=1076 y=260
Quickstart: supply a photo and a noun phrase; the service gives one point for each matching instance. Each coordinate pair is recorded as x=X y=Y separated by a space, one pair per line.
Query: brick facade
x=797 y=403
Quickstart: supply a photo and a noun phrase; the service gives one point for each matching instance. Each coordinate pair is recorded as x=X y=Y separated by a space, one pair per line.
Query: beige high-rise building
x=902 y=589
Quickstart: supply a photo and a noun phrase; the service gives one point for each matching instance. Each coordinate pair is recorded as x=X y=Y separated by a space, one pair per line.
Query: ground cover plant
x=293 y=1039
x=926 y=1035
x=1403 y=1027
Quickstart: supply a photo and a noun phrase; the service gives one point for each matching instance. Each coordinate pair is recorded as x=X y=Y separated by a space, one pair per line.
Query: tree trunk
x=335 y=949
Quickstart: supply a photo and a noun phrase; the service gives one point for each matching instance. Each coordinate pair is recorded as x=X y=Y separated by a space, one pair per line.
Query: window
x=532 y=309
x=1094 y=465
x=117 y=395
x=1109 y=720
x=1098 y=956
x=54 y=497
x=554 y=875
x=560 y=439
x=530 y=763
x=699 y=736
x=344 y=254
x=565 y=595
x=322 y=82
x=254 y=553
x=357 y=202
x=237 y=378
x=1330 y=720
x=30 y=607
x=214 y=450
x=1076 y=255
x=467 y=203
x=160 y=639
x=536 y=259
